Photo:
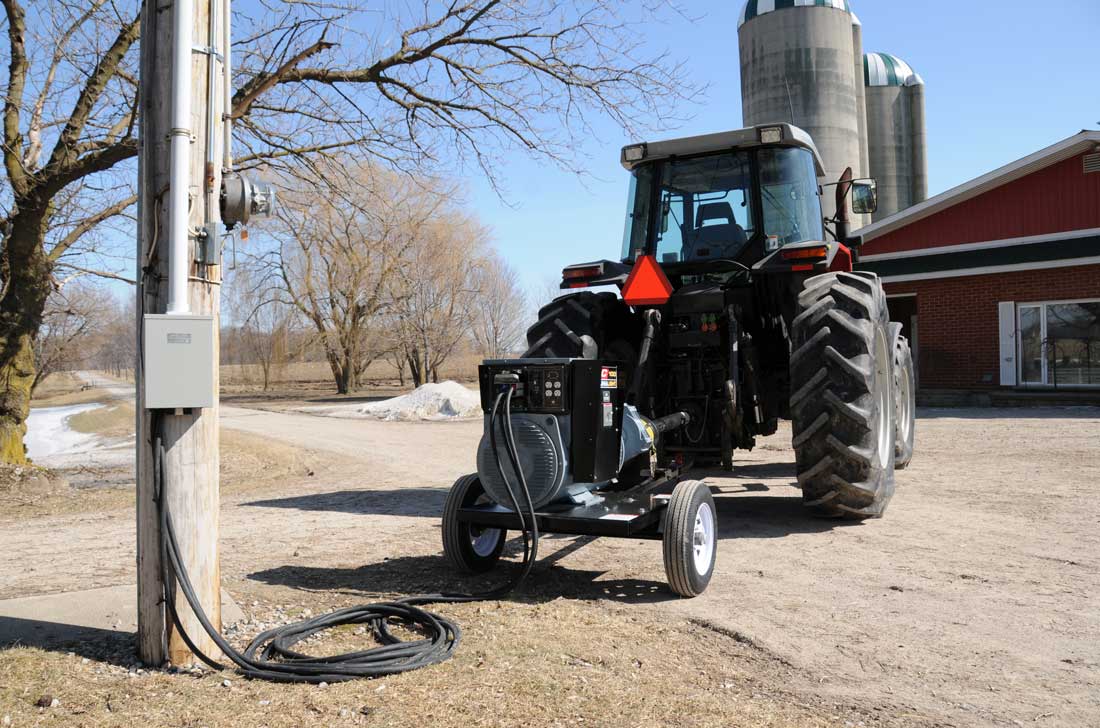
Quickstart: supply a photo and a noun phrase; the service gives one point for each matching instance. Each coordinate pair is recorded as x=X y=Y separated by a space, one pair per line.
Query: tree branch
x=13 y=99
x=99 y=273
x=247 y=95
x=86 y=225
x=64 y=154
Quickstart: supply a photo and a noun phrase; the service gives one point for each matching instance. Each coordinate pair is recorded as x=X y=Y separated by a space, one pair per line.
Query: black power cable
x=271 y=654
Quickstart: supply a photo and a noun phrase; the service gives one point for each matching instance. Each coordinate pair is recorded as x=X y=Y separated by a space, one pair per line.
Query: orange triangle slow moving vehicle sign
x=647 y=284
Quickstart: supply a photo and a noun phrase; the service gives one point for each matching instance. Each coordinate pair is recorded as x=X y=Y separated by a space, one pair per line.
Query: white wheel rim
x=904 y=418
x=884 y=364
x=484 y=540
x=702 y=539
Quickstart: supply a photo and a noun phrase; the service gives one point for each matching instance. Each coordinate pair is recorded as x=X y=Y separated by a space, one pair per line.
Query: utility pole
x=189 y=435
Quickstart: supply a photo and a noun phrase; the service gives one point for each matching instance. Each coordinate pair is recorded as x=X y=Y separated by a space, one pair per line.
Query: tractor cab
x=717 y=204
x=722 y=197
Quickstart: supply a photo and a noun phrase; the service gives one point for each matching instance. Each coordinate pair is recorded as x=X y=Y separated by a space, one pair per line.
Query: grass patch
x=112 y=420
x=65 y=388
x=249 y=463
x=556 y=663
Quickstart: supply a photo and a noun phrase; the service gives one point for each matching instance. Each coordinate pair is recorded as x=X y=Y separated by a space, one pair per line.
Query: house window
x=1059 y=343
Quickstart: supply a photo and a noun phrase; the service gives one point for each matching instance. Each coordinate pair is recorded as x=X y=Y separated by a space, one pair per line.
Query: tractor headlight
x=634 y=153
x=771 y=135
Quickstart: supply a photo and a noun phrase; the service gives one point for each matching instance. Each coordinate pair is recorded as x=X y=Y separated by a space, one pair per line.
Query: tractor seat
x=715 y=240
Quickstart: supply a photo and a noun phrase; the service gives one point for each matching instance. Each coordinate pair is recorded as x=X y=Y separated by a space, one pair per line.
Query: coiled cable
x=271 y=655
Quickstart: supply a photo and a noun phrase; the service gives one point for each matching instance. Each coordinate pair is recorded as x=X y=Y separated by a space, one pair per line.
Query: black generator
x=567 y=421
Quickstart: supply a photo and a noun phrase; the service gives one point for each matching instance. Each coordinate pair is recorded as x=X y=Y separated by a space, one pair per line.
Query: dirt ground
x=973 y=602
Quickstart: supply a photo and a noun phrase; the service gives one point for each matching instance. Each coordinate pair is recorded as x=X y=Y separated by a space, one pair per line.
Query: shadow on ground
x=104 y=645
x=423 y=502
x=407 y=575
x=741 y=514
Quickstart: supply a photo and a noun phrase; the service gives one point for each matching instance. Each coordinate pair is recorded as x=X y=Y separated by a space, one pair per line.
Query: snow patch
x=444 y=401
x=49 y=434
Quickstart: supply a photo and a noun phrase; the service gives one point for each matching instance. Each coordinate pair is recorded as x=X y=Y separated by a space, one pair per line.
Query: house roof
x=1063 y=150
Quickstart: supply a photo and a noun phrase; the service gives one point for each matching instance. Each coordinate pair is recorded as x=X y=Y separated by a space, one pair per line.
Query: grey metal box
x=179 y=361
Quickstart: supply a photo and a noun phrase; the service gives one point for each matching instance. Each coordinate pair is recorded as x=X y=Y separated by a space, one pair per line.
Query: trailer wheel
x=472 y=549
x=905 y=394
x=842 y=396
x=690 y=541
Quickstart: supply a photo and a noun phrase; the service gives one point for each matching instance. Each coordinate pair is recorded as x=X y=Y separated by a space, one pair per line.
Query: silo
x=801 y=62
x=896 y=133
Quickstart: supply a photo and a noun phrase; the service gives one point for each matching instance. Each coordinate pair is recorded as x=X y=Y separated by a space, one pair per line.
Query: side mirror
x=865 y=197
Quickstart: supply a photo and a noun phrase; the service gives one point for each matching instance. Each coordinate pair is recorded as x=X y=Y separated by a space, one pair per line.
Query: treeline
x=363 y=264
x=359 y=265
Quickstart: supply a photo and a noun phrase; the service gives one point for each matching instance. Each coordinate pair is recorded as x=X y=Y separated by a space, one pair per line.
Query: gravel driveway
x=974 y=601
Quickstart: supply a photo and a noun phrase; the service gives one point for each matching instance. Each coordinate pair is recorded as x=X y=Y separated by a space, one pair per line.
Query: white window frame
x=1042 y=306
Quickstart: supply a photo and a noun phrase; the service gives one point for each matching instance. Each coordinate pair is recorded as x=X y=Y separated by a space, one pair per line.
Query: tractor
x=738 y=306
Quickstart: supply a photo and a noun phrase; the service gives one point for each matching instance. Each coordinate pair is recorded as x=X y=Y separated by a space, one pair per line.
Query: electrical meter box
x=179 y=361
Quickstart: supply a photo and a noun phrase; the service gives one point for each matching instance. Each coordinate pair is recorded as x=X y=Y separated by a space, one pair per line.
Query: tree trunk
x=25 y=272
x=414 y=368
x=339 y=371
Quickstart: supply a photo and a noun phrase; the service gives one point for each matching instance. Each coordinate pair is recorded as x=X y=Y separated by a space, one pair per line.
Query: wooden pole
x=190 y=441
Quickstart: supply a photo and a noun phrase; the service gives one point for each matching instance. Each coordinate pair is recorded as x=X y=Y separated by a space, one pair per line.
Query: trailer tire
x=471 y=549
x=905 y=394
x=585 y=325
x=843 y=406
x=690 y=540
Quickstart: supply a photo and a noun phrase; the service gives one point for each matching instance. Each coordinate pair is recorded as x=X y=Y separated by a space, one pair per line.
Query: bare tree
x=500 y=309
x=412 y=84
x=435 y=296
x=113 y=349
x=75 y=316
x=262 y=324
x=338 y=258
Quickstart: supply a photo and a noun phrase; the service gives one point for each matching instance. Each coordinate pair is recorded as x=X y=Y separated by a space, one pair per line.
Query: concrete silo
x=896 y=133
x=802 y=63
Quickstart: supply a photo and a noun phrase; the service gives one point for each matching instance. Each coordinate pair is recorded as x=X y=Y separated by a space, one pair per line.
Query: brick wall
x=957 y=326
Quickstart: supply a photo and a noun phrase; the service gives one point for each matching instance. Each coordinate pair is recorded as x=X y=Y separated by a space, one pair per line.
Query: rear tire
x=690 y=541
x=585 y=325
x=842 y=396
x=471 y=549
x=905 y=394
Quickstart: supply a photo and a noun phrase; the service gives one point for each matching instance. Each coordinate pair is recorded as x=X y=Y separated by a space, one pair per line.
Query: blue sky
x=1004 y=79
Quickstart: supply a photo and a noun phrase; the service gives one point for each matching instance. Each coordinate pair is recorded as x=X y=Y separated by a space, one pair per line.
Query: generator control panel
x=541 y=387
x=588 y=392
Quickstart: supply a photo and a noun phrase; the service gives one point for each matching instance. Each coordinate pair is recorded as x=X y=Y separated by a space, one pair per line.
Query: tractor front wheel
x=842 y=396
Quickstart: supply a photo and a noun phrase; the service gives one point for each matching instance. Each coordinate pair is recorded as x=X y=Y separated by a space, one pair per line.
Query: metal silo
x=801 y=63
x=896 y=132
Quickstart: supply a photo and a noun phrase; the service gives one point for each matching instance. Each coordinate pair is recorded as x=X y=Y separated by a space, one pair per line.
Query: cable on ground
x=271 y=655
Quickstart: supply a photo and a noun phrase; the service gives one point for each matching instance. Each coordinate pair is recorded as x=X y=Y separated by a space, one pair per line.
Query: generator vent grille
x=538 y=457
x=1092 y=163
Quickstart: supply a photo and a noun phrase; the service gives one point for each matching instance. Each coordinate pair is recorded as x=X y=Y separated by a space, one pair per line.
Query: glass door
x=1032 y=327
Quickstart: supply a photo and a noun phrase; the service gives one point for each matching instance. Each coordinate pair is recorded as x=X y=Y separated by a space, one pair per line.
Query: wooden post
x=190 y=441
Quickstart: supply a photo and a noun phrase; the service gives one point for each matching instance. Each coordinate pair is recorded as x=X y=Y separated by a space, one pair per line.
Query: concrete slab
x=53 y=620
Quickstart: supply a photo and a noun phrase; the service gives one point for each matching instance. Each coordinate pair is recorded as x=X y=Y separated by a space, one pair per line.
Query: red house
x=998 y=280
